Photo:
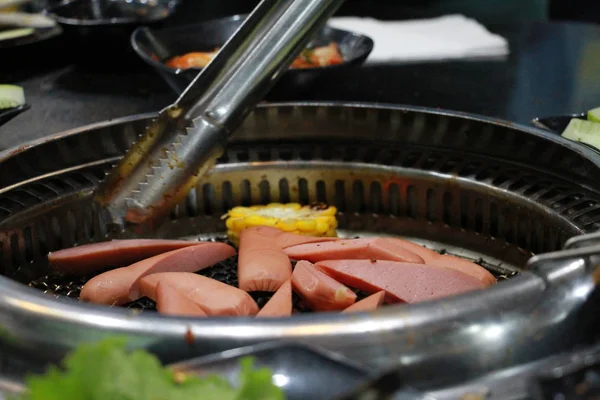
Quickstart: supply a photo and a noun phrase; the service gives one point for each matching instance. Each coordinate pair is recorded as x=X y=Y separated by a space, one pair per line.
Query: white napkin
x=447 y=37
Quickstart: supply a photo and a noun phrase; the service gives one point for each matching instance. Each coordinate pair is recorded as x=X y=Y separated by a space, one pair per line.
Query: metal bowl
x=154 y=47
x=476 y=187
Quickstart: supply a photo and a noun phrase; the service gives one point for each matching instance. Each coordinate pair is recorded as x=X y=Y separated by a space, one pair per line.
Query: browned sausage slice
x=120 y=286
x=91 y=258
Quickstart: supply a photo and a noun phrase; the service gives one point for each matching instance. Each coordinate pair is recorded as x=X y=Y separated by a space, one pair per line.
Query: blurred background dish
x=18 y=27
x=112 y=12
x=556 y=124
x=155 y=47
x=107 y=24
x=35 y=35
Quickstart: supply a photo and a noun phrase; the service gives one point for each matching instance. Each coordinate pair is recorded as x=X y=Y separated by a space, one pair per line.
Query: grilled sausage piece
x=368 y=304
x=447 y=261
x=288 y=239
x=121 y=285
x=214 y=297
x=262 y=264
x=402 y=282
x=350 y=249
x=319 y=291
x=170 y=302
x=91 y=258
x=390 y=249
x=280 y=305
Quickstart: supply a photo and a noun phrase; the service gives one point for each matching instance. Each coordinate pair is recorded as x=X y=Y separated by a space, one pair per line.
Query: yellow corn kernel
x=269 y=221
x=321 y=227
x=331 y=210
x=254 y=220
x=287 y=225
x=309 y=225
x=238 y=225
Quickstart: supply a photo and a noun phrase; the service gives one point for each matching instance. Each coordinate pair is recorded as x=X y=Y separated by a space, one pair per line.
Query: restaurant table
x=553 y=68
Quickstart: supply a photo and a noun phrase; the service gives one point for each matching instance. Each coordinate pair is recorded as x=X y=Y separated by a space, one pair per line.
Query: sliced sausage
x=319 y=291
x=288 y=239
x=350 y=249
x=402 y=282
x=280 y=305
x=170 y=302
x=214 y=297
x=262 y=264
x=445 y=260
x=91 y=258
x=368 y=304
x=120 y=286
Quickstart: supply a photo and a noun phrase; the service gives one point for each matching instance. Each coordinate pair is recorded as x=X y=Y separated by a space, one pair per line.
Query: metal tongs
x=186 y=138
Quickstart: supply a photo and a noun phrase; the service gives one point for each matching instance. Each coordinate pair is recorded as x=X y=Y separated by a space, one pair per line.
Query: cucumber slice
x=594 y=115
x=16 y=33
x=583 y=131
x=11 y=96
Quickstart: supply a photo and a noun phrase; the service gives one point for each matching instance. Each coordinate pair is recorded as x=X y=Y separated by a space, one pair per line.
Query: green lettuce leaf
x=105 y=370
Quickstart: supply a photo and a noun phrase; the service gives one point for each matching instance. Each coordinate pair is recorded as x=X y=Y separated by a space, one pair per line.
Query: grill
x=478 y=188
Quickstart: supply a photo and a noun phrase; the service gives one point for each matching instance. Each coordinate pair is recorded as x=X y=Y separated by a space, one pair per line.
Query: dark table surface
x=553 y=69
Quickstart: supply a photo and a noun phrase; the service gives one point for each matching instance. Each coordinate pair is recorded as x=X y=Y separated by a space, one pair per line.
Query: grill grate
x=479 y=201
x=226 y=272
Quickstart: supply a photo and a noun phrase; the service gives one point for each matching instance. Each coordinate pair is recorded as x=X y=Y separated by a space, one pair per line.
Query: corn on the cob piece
x=316 y=220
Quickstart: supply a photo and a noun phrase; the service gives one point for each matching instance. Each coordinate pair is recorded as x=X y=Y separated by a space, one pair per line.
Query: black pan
x=156 y=46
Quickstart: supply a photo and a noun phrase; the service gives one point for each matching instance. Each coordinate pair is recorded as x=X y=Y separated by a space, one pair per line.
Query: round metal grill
x=476 y=188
